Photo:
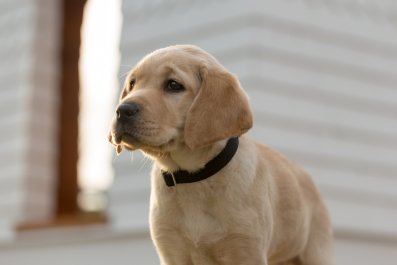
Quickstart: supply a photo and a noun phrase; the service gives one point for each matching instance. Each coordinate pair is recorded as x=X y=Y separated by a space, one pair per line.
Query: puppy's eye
x=174 y=86
x=132 y=84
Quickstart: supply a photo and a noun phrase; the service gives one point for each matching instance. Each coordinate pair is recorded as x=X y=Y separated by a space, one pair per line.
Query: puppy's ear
x=219 y=111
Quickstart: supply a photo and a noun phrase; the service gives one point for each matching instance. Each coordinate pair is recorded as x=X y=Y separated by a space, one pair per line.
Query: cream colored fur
x=260 y=209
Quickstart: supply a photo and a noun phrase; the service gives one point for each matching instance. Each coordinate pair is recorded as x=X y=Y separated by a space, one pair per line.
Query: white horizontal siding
x=322 y=78
x=42 y=103
x=15 y=40
x=28 y=85
x=79 y=246
x=129 y=196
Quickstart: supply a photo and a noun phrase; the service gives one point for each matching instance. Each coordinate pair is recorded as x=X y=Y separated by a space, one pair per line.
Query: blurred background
x=321 y=76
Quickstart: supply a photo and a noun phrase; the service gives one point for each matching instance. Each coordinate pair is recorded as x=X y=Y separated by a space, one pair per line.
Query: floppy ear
x=219 y=111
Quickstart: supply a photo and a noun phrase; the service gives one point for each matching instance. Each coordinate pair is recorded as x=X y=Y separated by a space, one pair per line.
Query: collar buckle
x=173 y=178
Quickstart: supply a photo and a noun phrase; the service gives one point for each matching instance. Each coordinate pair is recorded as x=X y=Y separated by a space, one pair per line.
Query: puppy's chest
x=199 y=219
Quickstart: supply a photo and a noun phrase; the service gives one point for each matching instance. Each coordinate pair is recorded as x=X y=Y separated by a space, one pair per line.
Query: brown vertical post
x=69 y=107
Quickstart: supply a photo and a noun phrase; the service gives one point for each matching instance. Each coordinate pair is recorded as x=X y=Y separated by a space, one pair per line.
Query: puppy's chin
x=158 y=150
x=154 y=149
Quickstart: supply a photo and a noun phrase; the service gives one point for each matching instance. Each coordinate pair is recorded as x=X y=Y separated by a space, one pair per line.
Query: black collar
x=211 y=168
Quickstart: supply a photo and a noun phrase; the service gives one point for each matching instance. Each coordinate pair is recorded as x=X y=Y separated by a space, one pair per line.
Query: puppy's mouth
x=133 y=140
x=124 y=139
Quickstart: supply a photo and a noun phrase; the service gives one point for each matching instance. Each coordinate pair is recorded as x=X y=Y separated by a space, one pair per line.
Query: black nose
x=126 y=112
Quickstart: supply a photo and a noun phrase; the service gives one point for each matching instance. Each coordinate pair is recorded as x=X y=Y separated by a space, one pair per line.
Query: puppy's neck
x=183 y=158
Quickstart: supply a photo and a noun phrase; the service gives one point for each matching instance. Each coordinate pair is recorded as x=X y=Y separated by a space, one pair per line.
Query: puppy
x=217 y=196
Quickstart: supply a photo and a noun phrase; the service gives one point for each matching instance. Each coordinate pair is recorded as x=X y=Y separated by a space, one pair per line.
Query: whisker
x=115 y=157
x=144 y=162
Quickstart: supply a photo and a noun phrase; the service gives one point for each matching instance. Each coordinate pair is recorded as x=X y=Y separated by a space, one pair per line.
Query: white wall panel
x=28 y=82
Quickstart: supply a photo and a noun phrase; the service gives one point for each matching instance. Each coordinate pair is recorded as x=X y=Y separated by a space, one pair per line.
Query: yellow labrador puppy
x=217 y=196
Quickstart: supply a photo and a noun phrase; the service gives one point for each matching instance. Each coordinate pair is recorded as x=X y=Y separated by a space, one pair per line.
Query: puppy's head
x=179 y=95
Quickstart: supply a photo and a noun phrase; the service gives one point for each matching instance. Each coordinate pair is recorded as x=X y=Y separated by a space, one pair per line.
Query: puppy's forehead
x=170 y=57
x=177 y=59
x=165 y=61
